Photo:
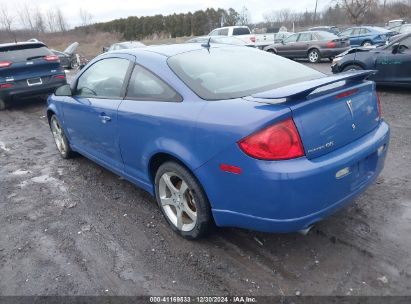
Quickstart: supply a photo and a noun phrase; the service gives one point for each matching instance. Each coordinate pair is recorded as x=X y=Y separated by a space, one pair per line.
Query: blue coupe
x=367 y=35
x=225 y=135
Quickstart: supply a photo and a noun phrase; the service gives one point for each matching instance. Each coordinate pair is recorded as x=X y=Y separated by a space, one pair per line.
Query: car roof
x=169 y=50
x=7 y=45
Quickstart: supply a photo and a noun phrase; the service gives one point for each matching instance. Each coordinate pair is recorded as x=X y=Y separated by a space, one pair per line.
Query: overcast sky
x=105 y=10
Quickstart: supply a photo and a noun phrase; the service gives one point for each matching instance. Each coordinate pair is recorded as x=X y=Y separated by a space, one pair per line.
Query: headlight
x=335 y=60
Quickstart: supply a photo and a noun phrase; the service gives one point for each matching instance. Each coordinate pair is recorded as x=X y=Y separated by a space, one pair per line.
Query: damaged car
x=68 y=58
x=392 y=61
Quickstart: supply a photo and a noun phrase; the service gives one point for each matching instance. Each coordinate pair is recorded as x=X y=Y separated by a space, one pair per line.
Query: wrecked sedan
x=68 y=59
x=393 y=62
x=225 y=135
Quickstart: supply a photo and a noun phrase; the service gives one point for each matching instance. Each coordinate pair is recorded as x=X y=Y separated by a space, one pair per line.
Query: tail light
x=252 y=38
x=5 y=64
x=6 y=85
x=59 y=76
x=331 y=45
x=278 y=142
x=346 y=93
x=51 y=58
x=379 y=106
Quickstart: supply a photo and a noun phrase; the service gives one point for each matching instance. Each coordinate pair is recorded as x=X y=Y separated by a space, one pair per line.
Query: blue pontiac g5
x=225 y=135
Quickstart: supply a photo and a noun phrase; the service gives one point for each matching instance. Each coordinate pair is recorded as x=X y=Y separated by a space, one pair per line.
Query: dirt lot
x=74 y=228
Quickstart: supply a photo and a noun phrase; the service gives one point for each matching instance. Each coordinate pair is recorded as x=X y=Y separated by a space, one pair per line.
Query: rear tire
x=314 y=56
x=271 y=51
x=182 y=201
x=60 y=138
x=352 y=67
x=366 y=43
x=3 y=105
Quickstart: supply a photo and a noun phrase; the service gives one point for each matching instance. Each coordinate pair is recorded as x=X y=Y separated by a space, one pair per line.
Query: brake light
x=380 y=113
x=6 y=86
x=331 y=45
x=252 y=38
x=5 y=64
x=278 y=142
x=346 y=93
x=230 y=169
x=60 y=76
x=51 y=58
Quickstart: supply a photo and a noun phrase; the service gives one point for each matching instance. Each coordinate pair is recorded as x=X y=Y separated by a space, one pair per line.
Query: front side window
x=292 y=38
x=104 y=79
x=224 y=32
x=356 y=31
x=233 y=72
x=144 y=85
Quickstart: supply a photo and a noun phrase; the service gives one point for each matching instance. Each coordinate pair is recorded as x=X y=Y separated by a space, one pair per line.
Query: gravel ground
x=70 y=227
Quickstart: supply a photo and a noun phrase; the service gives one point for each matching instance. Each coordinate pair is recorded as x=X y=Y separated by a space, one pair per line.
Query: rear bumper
x=19 y=91
x=332 y=52
x=287 y=196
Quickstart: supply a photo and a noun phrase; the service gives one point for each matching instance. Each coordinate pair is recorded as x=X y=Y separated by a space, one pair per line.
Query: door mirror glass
x=64 y=90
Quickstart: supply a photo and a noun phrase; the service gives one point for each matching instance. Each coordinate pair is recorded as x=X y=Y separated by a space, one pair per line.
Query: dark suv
x=28 y=69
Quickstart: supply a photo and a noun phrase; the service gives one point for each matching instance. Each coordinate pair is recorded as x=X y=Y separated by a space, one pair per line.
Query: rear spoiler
x=303 y=89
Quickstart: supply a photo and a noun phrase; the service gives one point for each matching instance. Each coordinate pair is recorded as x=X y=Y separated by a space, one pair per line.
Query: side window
x=223 y=32
x=144 y=85
x=292 y=38
x=241 y=31
x=356 y=31
x=214 y=33
x=104 y=79
x=346 y=32
x=364 y=31
x=304 y=37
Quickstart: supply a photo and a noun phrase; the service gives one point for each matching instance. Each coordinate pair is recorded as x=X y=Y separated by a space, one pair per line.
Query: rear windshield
x=232 y=72
x=241 y=31
x=18 y=53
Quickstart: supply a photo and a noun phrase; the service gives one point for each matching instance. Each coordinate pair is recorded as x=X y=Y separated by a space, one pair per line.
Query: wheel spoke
x=183 y=187
x=190 y=213
x=168 y=201
x=169 y=184
x=179 y=215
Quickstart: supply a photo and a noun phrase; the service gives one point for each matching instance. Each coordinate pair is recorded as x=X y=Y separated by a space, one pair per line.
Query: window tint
x=292 y=38
x=304 y=37
x=19 y=53
x=146 y=86
x=241 y=31
x=105 y=79
x=222 y=73
x=223 y=32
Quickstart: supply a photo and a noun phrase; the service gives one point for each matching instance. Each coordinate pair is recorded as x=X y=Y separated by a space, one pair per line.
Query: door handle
x=104 y=118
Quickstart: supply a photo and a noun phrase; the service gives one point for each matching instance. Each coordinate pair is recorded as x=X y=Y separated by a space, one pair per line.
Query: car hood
x=357 y=50
x=71 y=48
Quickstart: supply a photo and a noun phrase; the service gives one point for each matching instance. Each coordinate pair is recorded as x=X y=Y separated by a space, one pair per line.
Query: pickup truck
x=240 y=32
x=263 y=40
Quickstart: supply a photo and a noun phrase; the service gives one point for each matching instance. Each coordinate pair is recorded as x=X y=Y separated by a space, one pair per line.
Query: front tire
x=314 y=56
x=182 y=201
x=366 y=43
x=60 y=138
x=352 y=67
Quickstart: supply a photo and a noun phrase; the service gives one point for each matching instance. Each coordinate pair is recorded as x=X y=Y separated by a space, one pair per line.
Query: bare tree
x=358 y=9
x=51 y=21
x=39 y=22
x=6 y=21
x=26 y=17
x=61 y=20
x=244 y=17
x=85 y=17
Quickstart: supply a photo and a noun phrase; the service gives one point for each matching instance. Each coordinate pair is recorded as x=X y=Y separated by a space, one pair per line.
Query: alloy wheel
x=58 y=135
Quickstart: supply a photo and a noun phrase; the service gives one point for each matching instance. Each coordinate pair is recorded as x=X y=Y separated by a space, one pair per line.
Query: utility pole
x=315 y=11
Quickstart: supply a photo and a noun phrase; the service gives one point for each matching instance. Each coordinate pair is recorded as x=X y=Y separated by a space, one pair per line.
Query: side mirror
x=64 y=90
x=396 y=48
x=282 y=41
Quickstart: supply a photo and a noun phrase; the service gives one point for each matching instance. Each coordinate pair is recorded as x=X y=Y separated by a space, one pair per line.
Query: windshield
x=232 y=72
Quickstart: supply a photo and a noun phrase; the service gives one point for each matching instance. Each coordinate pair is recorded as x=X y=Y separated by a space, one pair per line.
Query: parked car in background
x=263 y=40
x=123 y=46
x=219 y=39
x=393 y=62
x=68 y=59
x=367 y=35
x=28 y=69
x=394 y=23
x=225 y=134
x=313 y=45
x=331 y=29
x=240 y=32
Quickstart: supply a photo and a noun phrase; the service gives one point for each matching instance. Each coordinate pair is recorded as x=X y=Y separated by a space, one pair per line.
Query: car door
x=91 y=113
x=355 y=38
x=303 y=43
x=286 y=48
x=395 y=66
x=150 y=114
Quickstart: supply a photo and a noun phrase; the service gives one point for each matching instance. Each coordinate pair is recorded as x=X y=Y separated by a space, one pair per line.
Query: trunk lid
x=331 y=112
